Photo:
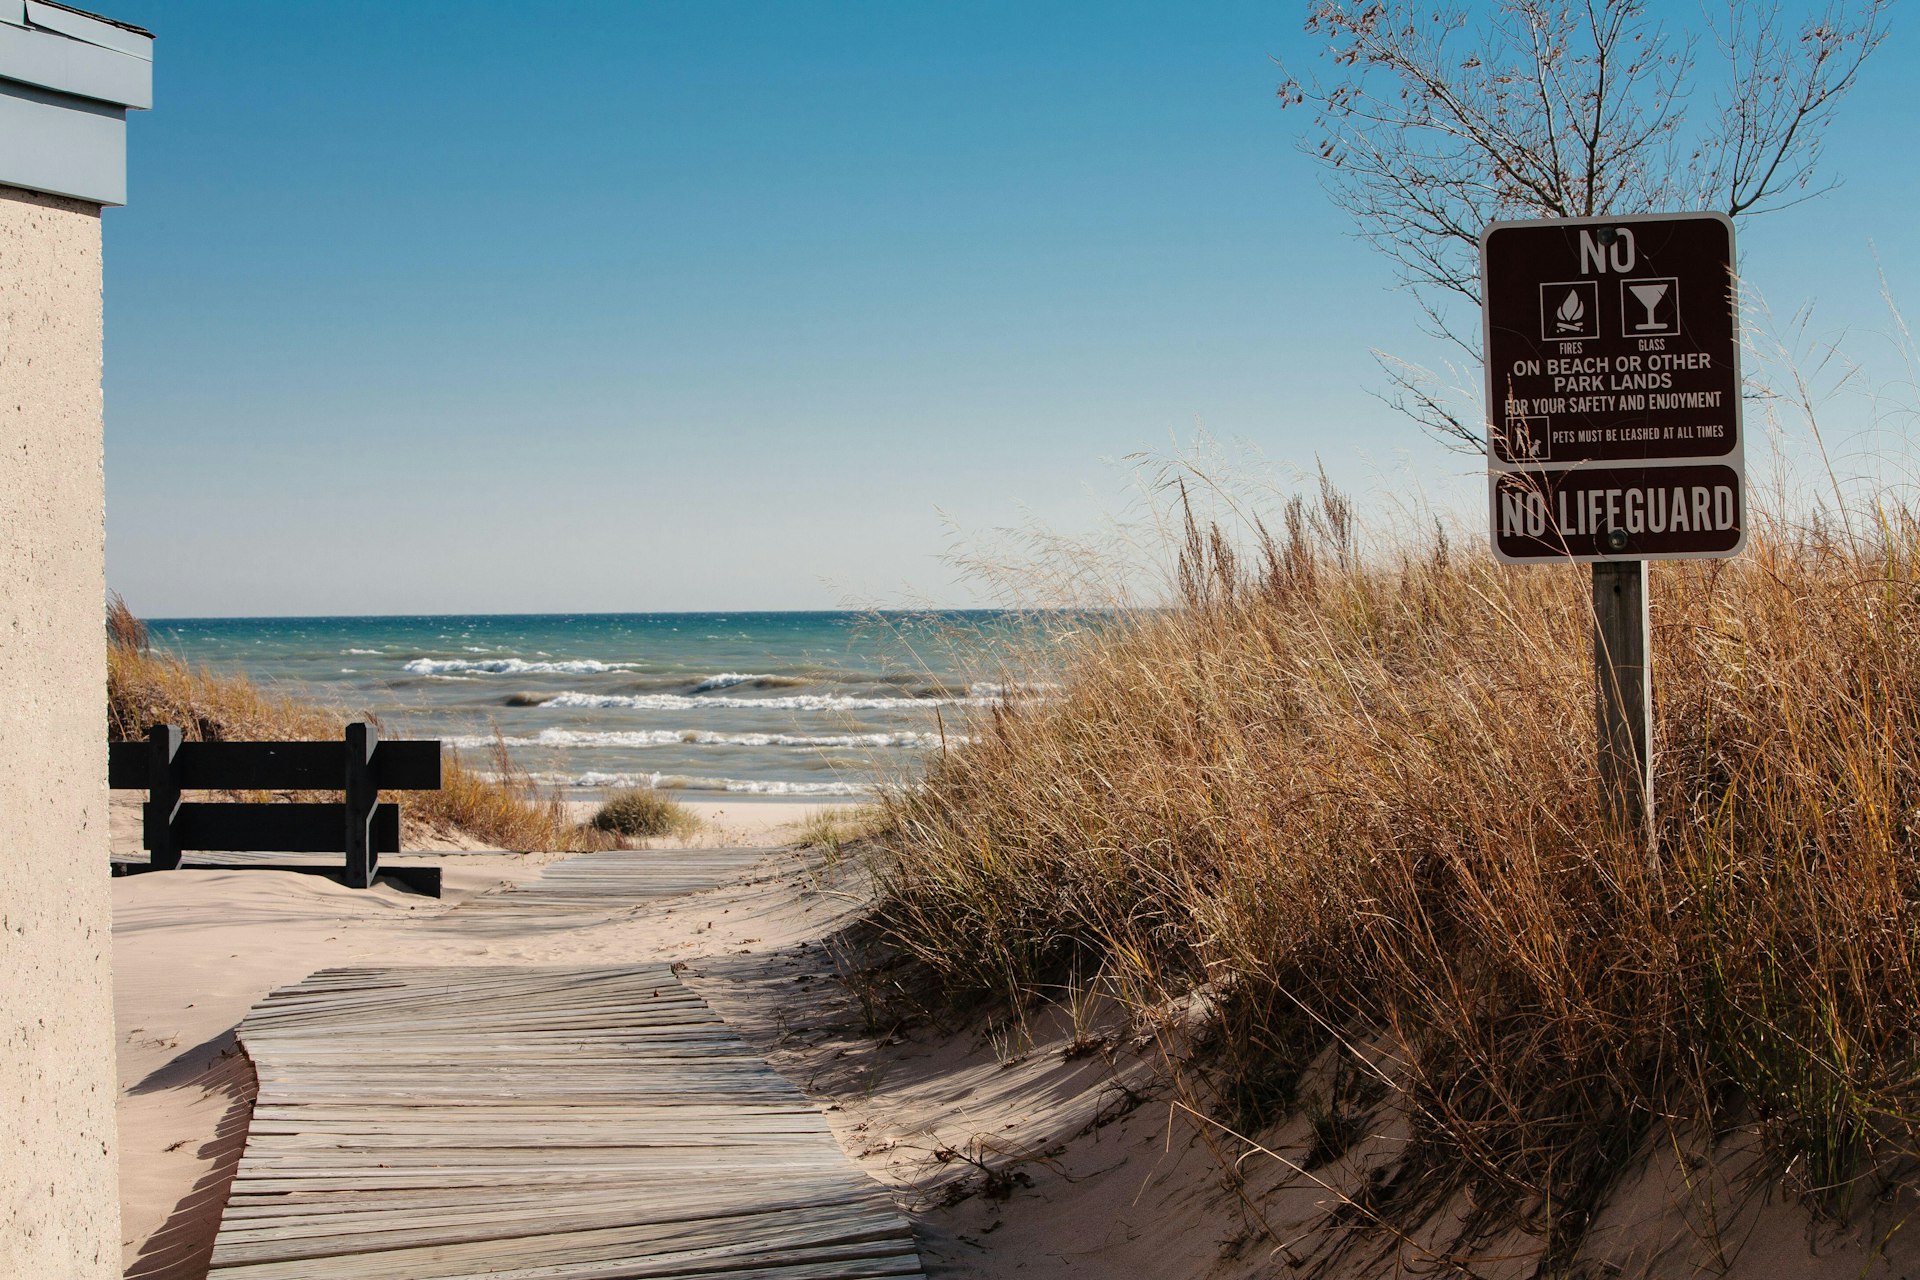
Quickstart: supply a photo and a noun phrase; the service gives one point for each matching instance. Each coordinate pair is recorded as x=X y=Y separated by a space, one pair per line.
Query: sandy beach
x=1047 y=1157
x=193 y=950
x=1059 y=1151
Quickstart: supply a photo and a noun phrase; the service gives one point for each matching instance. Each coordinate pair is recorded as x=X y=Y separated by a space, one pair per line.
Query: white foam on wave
x=784 y=702
x=365 y=653
x=596 y=781
x=708 y=738
x=515 y=667
x=726 y=680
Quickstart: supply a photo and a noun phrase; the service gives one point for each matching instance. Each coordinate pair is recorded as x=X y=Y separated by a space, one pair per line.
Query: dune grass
x=1339 y=803
x=500 y=808
x=146 y=688
x=832 y=828
x=643 y=813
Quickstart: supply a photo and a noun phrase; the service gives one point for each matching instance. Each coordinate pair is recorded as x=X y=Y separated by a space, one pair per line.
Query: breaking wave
x=515 y=667
x=706 y=738
x=596 y=781
x=788 y=702
x=733 y=679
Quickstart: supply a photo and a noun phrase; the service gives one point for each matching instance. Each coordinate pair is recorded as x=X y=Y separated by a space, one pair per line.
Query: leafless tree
x=1437 y=119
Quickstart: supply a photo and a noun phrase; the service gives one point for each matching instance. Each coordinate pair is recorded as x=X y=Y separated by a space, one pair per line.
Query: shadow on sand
x=182 y=1247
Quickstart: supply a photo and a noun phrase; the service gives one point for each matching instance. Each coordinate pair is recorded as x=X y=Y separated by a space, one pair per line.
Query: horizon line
x=630 y=613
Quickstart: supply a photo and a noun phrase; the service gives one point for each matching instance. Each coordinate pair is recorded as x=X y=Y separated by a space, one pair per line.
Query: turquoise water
x=742 y=704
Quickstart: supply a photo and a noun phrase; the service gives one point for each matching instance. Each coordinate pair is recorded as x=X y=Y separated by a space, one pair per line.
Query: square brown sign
x=1612 y=343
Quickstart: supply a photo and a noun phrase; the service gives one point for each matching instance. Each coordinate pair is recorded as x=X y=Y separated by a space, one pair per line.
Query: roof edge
x=97 y=17
x=52 y=47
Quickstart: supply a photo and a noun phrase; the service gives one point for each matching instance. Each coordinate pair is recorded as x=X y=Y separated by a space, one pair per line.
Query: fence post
x=363 y=858
x=163 y=798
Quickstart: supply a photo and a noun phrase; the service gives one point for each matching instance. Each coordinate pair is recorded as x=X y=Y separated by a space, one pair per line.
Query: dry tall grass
x=502 y=808
x=1348 y=804
x=644 y=813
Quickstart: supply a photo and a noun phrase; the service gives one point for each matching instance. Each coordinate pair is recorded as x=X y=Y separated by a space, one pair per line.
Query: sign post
x=1623 y=690
x=1613 y=410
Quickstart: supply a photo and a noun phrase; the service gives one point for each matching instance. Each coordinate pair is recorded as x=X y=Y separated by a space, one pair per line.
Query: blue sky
x=648 y=306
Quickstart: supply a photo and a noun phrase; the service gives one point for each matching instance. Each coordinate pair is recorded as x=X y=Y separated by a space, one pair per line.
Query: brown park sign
x=1613 y=379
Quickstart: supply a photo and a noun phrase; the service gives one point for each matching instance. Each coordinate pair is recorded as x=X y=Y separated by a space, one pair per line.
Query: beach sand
x=193 y=951
x=1057 y=1151
x=738 y=823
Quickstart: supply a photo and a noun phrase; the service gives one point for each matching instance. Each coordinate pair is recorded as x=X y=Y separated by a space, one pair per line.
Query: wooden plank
x=156 y=757
x=398 y=765
x=362 y=844
x=276 y=828
x=580 y=1123
x=596 y=887
x=449 y=1121
x=421 y=880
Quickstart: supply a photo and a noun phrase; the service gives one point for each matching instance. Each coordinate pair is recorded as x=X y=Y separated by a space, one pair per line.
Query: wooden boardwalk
x=597 y=887
x=561 y=1123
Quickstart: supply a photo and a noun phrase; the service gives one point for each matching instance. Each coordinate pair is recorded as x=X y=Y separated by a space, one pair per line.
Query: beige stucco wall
x=59 y=1211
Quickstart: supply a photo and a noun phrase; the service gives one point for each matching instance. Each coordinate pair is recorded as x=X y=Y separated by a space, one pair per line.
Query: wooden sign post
x=1623 y=691
x=1613 y=410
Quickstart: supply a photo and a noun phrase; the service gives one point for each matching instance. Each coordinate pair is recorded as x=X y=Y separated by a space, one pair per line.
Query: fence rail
x=359 y=766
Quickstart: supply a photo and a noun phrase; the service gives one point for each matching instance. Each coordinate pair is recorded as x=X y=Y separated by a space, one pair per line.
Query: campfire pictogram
x=1572 y=313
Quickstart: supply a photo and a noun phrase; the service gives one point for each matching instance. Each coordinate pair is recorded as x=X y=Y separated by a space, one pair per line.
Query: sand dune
x=1059 y=1153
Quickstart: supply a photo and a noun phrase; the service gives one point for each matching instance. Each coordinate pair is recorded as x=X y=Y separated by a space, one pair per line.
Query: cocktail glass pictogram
x=1657 y=298
x=1650 y=294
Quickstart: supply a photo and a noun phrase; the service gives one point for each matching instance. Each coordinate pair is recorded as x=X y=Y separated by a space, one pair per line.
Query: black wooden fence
x=360 y=766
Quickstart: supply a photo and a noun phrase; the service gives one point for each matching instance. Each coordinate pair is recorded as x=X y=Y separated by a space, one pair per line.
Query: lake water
x=775 y=704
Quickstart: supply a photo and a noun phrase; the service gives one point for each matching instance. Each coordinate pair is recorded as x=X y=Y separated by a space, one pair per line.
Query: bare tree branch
x=1437 y=122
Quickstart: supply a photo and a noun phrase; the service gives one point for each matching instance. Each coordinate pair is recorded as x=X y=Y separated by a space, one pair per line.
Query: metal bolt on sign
x=1613 y=415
